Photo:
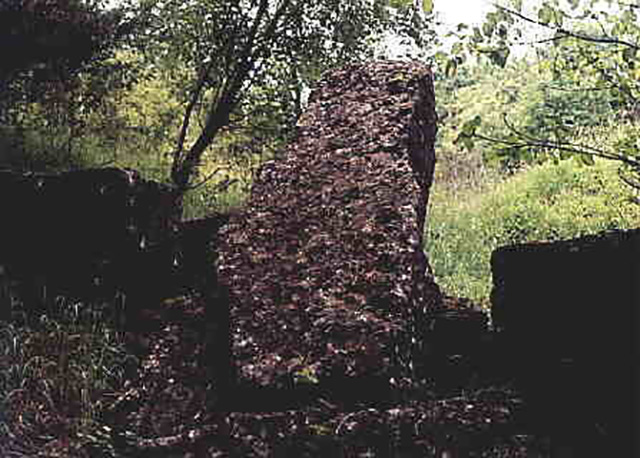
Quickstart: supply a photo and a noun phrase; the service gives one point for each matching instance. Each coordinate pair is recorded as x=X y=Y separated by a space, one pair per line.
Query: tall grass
x=54 y=382
x=545 y=202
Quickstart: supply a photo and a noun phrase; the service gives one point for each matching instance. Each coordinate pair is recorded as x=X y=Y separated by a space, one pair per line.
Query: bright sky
x=453 y=12
x=472 y=12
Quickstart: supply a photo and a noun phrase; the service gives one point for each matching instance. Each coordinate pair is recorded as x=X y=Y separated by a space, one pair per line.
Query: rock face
x=567 y=313
x=325 y=269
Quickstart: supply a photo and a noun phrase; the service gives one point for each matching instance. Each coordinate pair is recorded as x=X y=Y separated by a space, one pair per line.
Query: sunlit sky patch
x=453 y=12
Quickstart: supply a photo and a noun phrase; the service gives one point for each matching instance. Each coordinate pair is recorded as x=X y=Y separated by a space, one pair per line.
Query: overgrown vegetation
x=121 y=110
x=541 y=203
x=55 y=382
x=487 y=195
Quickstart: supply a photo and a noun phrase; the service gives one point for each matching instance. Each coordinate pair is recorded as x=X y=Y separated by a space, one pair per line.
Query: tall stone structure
x=325 y=270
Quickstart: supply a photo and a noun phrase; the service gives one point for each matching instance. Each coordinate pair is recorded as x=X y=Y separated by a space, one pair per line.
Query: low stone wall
x=567 y=318
x=80 y=234
x=579 y=291
x=325 y=269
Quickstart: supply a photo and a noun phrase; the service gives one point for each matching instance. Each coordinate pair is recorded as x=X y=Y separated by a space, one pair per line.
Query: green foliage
x=477 y=100
x=57 y=74
x=520 y=111
x=51 y=42
x=565 y=108
x=545 y=202
x=549 y=13
x=588 y=74
x=200 y=77
x=468 y=132
x=427 y=5
x=246 y=64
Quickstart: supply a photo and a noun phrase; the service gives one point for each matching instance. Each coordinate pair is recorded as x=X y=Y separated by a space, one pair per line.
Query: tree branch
x=515 y=131
x=262 y=47
x=634 y=183
x=177 y=154
x=563 y=146
x=220 y=109
x=578 y=35
x=542 y=41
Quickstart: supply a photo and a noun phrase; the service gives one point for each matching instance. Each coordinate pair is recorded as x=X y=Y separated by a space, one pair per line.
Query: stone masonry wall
x=325 y=269
x=81 y=234
x=567 y=319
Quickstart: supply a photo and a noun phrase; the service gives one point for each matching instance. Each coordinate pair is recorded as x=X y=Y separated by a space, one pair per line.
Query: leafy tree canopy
x=246 y=63
x=590 y=46
x=58 y=69
x=51 y=42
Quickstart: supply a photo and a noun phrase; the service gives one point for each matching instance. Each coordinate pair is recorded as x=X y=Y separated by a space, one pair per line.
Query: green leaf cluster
x=60 y=75
x=587 y=60
x=524 y=102
x=248 y=64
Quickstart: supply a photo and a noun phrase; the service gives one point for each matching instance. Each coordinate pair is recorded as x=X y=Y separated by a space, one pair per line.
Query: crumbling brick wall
x=325 y=269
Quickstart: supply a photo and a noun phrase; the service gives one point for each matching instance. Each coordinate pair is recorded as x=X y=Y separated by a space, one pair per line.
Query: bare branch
x=578 y=35
x=564 y=146
x=557 y=37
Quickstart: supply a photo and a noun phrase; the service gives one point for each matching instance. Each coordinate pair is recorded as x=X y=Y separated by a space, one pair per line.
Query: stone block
x=325 y=268
x=570 y=299
x=567 y=319
x=77 y=234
